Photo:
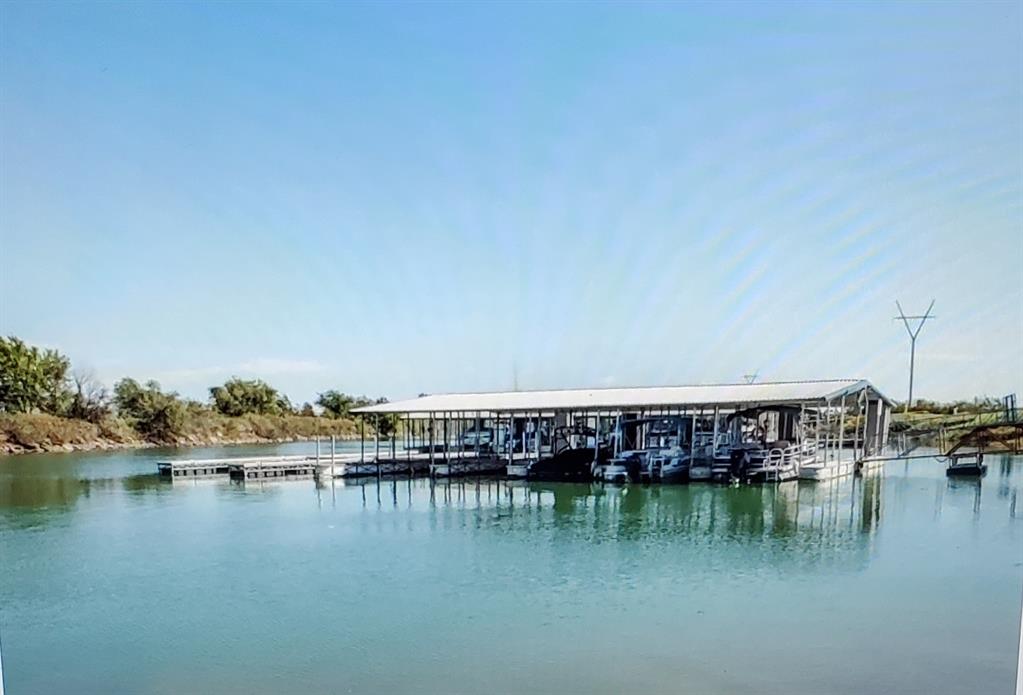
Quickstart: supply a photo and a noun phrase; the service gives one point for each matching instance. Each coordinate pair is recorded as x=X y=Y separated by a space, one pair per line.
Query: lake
x=115 y=581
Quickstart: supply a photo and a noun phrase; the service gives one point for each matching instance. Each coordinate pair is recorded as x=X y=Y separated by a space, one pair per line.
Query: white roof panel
x=617 y=398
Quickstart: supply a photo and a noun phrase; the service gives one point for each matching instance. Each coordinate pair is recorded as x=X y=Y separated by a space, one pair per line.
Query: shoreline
x=35 y=433
x=14 y=449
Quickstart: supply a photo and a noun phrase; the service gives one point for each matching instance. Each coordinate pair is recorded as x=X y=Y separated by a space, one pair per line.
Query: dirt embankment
x=38 y=432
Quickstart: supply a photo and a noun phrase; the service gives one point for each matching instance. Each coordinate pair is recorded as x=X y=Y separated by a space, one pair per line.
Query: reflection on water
x=804 y=524
x=262 y=586
x=39 y=493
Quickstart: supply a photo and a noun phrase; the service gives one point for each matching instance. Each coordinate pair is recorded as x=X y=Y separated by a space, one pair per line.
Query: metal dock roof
x=643 y=397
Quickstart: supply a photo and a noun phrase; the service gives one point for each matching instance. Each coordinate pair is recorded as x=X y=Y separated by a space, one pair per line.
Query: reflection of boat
x=966 y=465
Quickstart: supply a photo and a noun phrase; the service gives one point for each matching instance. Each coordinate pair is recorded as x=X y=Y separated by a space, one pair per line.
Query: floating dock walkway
x=415 y=464
x=247 y=468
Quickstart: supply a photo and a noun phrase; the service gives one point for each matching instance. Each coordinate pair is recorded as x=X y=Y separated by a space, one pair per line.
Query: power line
x=913 y=333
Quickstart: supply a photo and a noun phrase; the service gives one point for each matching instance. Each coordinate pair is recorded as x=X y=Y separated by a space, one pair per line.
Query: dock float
x=249 y=468
x=455 y=467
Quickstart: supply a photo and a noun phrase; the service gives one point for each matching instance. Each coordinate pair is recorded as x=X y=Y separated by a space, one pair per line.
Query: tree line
x=35 y=380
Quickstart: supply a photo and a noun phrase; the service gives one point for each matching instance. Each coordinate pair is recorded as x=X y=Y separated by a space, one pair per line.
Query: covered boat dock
x=840 y=421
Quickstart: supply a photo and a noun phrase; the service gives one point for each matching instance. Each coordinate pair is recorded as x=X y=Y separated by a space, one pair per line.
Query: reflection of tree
x=42 y=491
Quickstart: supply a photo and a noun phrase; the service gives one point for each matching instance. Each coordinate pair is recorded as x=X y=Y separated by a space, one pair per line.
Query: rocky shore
x=37 y=433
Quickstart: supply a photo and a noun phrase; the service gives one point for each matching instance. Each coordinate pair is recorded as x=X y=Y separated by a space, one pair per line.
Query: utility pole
x=913 y=333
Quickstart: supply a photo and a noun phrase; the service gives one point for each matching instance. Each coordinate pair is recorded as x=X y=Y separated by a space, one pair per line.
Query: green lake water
x=115 y=581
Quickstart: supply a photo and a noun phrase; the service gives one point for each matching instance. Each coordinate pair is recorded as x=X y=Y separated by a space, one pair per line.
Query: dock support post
x=841 y=430
x=333 y=441
x=510 y=438
x=362 y=440
x=817 y=436
x=864 y=416
x=692 y=441
x=376 y=442
x=714 y=443
x=536 y=435
x=432 y=447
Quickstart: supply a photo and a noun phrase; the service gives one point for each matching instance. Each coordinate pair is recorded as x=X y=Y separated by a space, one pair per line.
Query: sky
x=390 y=199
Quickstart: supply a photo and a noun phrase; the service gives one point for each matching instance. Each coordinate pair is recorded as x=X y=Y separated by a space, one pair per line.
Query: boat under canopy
x=744 y=431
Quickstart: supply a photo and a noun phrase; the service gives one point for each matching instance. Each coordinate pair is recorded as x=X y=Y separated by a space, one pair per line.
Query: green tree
x=242 y=397
x=32 y=379
x=156 y=415
x=307 y=410
x=386 y=423
x=337 y=404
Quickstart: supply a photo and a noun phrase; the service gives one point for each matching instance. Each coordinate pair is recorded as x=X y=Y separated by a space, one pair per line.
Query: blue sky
x=391 y=199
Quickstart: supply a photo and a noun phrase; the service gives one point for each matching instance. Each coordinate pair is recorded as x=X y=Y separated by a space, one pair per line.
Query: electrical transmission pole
x=913 y=333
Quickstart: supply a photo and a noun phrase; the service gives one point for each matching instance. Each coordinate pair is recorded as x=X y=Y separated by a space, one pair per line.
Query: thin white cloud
x=256 y=367
x=188 y=375
x=950 y=357
x=273 y=365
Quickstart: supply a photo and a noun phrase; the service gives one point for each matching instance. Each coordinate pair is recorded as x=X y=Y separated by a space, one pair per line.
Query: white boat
x=765 y=444
x=517 y=469
x=615 y=472
x=658 y=449
x=702 y=469
x=670 y=467
x=776 y=461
